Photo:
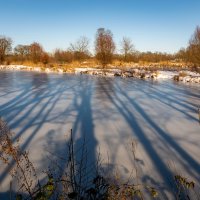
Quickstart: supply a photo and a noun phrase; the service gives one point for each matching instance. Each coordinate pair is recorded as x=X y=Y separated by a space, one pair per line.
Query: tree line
x=105 y=51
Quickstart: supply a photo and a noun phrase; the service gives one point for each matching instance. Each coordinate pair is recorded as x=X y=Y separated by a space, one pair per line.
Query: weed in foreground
x=78 y=179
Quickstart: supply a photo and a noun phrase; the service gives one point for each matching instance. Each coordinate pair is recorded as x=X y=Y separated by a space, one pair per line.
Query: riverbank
x=184 y=76
x=143 y=72
x=32 y=68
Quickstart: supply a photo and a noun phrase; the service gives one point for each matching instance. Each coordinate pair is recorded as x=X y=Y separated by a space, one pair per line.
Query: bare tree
x=61 y=56
x=22 y=51
x=181 y=54
x=194 y=47
x=195 y=39
x=45 y=58
x=81 y=45
x=36 y=52
x=5 y=47
x=127 y=47
x=33 y=52
x=80 y=48
x=104 y=46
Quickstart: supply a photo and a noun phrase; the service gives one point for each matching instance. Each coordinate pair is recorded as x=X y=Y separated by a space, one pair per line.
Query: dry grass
x=24 y=171
x=93 y=63
x=183 y=74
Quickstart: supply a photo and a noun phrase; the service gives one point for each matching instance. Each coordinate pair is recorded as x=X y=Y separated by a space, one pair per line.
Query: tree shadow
x=32 y=118
x=137 y=130
x=34 y=104
x=189 y=163
x=128 y=106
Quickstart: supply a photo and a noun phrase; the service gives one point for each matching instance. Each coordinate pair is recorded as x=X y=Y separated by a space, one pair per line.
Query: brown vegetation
x=5 y=47
x=104 y=46
x=78 y=53
x=192 y=52
x=127 y=49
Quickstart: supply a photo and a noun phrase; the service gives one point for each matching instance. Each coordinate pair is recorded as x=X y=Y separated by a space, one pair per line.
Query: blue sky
x=153 y=25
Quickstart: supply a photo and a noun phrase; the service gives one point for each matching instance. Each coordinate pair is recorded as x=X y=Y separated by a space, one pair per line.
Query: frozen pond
x=161 y=116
